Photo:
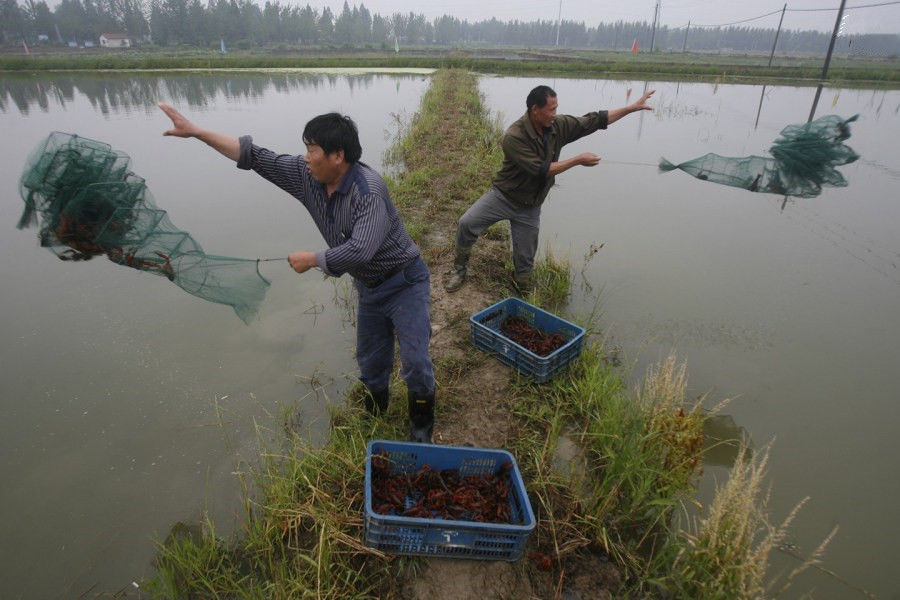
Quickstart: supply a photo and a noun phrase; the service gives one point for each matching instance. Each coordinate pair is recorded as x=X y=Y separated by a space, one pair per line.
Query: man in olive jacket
x=531 y=148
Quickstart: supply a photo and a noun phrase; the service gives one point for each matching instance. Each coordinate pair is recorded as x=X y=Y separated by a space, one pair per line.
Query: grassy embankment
x=580 y=63
x=639 y=449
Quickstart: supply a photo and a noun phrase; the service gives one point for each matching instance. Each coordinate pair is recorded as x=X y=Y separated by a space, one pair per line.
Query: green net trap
x=87 y=202
x=803 y=159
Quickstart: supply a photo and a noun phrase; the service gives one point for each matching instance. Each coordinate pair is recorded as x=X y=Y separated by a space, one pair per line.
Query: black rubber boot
x=376 y=401
x=421 y=418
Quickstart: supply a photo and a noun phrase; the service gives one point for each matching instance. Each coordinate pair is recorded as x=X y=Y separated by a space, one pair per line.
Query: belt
x=388 y=274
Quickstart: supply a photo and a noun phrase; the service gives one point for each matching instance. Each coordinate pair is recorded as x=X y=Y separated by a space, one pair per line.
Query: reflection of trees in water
x=128 y=92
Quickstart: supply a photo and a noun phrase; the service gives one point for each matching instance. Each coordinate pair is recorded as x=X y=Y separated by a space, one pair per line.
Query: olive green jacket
x=527 y=154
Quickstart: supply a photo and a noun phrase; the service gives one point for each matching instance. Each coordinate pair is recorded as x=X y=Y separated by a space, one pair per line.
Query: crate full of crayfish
x=445 y=501
x=530 y=340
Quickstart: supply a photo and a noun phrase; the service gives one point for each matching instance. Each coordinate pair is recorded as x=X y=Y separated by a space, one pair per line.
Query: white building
x=115 y=40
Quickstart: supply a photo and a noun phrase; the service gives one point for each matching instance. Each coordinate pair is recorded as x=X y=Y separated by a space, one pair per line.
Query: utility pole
x=688 y=28
x=558 y=17
x=834 y=34
x=655 y=19
x=780 y=21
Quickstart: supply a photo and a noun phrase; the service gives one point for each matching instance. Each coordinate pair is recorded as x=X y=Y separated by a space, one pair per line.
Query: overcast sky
x=674 y=13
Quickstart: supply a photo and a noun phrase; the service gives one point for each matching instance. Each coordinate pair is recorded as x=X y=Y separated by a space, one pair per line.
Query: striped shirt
x=360 y=224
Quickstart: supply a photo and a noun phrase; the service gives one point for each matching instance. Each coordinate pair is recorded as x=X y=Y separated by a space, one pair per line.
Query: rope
x=625 y=162
x=270 y=259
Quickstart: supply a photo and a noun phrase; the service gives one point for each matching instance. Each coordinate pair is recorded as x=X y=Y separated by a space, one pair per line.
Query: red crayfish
x=431 y=494
x=531 y=338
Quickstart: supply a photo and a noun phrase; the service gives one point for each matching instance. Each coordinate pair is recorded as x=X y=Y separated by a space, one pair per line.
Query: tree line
x=245 y=24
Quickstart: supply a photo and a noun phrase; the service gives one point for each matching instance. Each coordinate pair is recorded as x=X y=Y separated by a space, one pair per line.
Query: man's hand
x=641 y=104
x=588 y=159
x=225 y=145
x=302 y=261
x=617 y=113
x=181 y=126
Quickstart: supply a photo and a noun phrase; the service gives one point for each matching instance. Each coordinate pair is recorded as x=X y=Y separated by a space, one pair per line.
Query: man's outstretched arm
x=181 y=127
x=586 y=159
x=617 y=113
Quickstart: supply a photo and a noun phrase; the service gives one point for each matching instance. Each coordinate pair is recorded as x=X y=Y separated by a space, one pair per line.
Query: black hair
x=333 y=132
x=538 y=96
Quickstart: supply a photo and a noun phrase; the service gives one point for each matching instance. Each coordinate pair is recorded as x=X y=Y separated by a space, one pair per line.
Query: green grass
x=580 y=63
x=641 y=453
x=552 y=281
x=449 y=152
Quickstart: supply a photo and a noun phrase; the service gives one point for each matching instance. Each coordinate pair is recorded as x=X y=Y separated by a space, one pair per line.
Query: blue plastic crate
x=486 y=335
x=443 y=537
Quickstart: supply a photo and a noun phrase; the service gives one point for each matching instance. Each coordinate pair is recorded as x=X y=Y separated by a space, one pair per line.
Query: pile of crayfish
x=431 y=494
x=531 y=338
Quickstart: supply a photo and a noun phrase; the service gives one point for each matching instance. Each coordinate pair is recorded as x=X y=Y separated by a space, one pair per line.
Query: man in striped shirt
x=350 y=204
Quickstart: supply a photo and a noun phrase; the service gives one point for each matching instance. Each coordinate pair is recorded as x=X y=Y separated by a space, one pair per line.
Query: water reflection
x=124 y=93
x=722 y=437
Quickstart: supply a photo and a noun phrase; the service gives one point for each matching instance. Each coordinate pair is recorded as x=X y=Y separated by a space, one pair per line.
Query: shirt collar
x=348 y=179
x=531 y=131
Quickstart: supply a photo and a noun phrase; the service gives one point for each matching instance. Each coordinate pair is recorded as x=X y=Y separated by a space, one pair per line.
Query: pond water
x=793 y=311
x=128 y=404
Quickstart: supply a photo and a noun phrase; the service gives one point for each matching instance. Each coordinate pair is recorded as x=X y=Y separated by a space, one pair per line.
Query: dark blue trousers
x=399 y=308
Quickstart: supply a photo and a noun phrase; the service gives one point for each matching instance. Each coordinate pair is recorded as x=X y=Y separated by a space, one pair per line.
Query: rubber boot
x=376 y=401
x=457 y=276
x=421 y=418
x=523 y=283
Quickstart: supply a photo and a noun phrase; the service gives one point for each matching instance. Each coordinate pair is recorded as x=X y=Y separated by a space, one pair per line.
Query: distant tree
x=176 y=15
x=72 y=20
x=362 y=24
x=307 y=27
x=246 y=22
x=197 y=25
x=343 y=26
x=272 y=25
x=326 y=26
x=233 y=28
x=39 y=17
x=252 y=22
x=132 y=18
x=381 y=29
x=447 y=30
x=398 y=26
x=12 y=21
x=417 y=29
x=159 y=24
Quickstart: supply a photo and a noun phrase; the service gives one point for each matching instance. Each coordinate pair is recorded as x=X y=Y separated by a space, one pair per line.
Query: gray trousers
x=524 y=224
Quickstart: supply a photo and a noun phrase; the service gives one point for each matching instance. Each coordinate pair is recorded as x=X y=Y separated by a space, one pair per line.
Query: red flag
x=634 y=46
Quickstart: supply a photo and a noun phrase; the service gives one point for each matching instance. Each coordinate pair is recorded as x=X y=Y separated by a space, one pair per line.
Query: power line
x=845 y=8
x=775 y=12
